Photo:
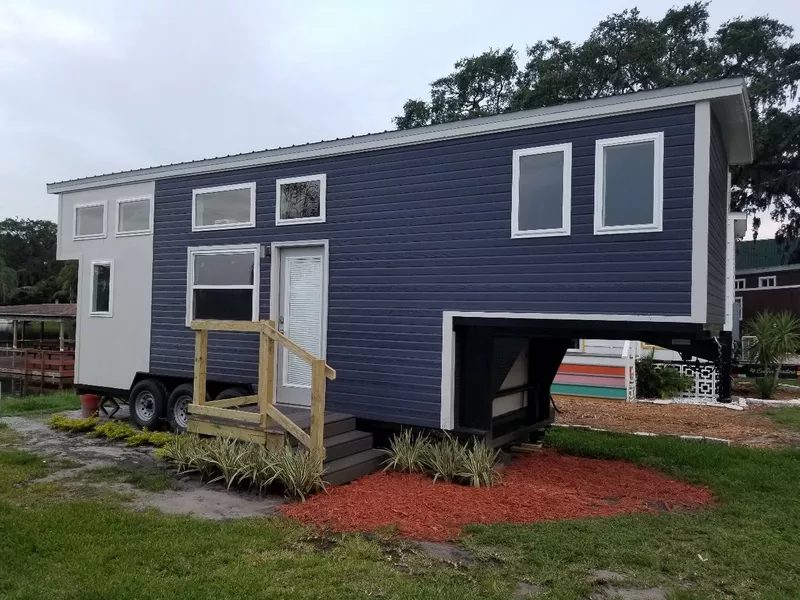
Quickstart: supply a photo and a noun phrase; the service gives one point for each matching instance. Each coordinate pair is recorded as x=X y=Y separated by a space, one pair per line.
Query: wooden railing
x=268 y=413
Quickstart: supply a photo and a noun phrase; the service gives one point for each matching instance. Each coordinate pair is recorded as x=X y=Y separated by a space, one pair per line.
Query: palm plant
x=776 y=337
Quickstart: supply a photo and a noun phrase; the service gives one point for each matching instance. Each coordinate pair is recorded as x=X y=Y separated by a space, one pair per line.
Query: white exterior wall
x=110 y=350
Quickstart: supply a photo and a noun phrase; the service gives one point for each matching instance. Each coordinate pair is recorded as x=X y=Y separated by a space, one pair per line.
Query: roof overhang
x=728 y=98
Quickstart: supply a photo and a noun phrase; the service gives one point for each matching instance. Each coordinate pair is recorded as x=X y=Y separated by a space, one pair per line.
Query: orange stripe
x=592 y=369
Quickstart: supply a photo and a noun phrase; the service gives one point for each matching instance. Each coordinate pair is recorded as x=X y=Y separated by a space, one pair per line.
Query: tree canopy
x=627 y=52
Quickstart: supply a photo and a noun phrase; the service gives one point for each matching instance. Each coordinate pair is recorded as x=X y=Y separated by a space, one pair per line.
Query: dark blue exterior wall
x=717 y=225
x=417 y=230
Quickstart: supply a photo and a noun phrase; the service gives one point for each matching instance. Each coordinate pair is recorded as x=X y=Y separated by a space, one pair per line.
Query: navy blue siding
x=421 y=229
x=717 y=225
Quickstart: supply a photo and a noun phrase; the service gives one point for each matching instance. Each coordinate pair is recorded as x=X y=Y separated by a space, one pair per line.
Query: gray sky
x=94 y=86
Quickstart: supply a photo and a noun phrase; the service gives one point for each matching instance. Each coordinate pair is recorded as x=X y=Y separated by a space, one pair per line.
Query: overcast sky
x=89 y=87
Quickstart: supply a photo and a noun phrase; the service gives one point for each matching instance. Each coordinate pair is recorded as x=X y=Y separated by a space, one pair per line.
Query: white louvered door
x=301 y=308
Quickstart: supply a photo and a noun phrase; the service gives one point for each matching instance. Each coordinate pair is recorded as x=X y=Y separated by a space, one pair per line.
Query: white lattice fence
x=704 y=375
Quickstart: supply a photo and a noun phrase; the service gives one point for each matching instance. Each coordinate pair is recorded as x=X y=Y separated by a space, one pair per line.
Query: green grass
x=151 y=480
x=748 y=542
x=789 y=417
x=39 y=405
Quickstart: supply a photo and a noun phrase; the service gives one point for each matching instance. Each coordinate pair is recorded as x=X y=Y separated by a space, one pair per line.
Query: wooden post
x=264 y=391
x=318 y=408
x=41 y=334
x=200 y=366
x=61 y=335
x=14 y=334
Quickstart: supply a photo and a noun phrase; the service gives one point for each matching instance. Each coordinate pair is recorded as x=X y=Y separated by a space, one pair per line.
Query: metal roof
x=728 y=97
x=765 y=254
x=47 y=312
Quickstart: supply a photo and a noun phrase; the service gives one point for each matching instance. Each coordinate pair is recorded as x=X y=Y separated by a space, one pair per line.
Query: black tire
x=177 y=406
x=148 y=404
x=231 y=392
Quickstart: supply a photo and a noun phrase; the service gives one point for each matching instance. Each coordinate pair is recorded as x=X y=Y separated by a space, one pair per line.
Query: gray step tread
x=344 y=438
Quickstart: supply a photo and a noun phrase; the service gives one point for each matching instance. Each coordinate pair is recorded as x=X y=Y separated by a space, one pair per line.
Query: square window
x=90 y=221
x=541 y=191
x=224 y=207
x=300 y=200
x=134 y=216
x=739 y=284
x=768 y=281
x=628 y=185
x=223 y=283
x=102 y=292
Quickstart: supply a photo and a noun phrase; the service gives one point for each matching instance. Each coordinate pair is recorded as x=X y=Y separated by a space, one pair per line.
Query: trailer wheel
x=231 y=392
x=178 y=407
x=148 y=403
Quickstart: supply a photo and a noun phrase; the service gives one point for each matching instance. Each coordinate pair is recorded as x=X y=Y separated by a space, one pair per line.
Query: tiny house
x=442 y=271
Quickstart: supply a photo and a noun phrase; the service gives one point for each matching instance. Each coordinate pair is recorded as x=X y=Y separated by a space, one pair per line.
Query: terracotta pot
x=90 y=405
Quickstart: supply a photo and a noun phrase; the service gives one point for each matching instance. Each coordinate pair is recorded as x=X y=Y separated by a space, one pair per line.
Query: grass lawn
x=43 y=405
x=56 y=547
x=789 y=417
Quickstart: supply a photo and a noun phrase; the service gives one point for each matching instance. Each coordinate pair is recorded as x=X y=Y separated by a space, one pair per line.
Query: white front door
x=302 y=297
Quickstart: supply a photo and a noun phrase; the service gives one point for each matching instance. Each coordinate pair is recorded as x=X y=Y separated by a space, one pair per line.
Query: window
x=90 y=221
x=540 y=193
x=765 y=282
x=300 y=200
x=739 y=284
x=223 y=283
x=628 y=184
x=134 y=216
x=102 y=293
x=224 y=207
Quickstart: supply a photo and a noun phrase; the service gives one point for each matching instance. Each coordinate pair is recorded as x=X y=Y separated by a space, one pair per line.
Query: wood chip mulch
x=543 y=486
x=751 y=427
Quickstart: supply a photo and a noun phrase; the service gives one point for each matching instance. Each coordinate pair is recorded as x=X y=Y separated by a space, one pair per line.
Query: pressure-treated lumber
x=200 y=366
x=265 y=391
x=207 y=325
x=301 y=353
x=232 y=402
x=290 y=426
x=224 y=413
x=317 y=407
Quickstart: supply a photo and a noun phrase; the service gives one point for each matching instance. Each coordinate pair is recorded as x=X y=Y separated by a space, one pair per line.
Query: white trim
x=736 y=287
x=110 y=311
x=725 y=91
x=766 y=279
x=768 y=269
x=149 y=230
x=767 y=289
x=566 y=197
x=657 y=139
x=447 y=413
x=730 y=254
x=91 y=236
x=322 y=178
x=700 y=201
x=226 y=188
x=191 y=251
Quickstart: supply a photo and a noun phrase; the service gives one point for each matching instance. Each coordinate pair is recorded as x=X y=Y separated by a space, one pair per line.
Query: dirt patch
x=538 y=487
x=747 y=389
x=188 y=495
x=447 y=552
x=751 y=427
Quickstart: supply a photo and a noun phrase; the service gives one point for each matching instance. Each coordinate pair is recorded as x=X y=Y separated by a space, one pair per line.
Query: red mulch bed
x=544 y=486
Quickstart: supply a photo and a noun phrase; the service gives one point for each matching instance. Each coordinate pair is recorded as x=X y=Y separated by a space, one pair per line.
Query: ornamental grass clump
x=227 y=458
x=481 y=466
x=407 y=452
x=180 y=450
x=444 y=458
x=299 y=471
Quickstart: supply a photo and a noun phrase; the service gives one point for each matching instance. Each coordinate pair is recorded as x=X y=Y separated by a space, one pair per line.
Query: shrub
x=154 y=438
x=180 y=449
x=407 y=452
x=776 y=337
x=258 y=468
x=766 y=386
x=445 y=458
x=299 y=471
x=114 y=430
x=227 y=456
x=654 y=382
x=481 y=465
x=72 y=425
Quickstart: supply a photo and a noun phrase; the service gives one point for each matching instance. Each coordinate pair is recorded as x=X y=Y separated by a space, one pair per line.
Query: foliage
x=180 y=450
x=114 y=430
x=652 y=382
x=445 y=458
x=627 y=52
x=44 y=404
x=8 y=282
x=481 y=465
x=152 y=438
x=788 y=417
x=299 y=471
x=227 y=457
x=73 y=425
x=777 y=335
x=407 y=452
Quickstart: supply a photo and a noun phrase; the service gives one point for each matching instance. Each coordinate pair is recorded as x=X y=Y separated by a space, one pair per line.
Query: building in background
x=767 y=277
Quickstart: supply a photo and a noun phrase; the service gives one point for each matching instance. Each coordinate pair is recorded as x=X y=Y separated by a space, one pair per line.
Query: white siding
x=110 y=350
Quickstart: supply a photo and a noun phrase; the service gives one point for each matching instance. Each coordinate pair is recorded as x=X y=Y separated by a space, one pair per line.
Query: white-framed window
x=224 y=207
x=134 y=216
x=300 y=200
x=102 y=288
x=739 y=284
x=767 y=281
x=222 y=283
x=89 y=221
x=629 y=184
x=541 y=191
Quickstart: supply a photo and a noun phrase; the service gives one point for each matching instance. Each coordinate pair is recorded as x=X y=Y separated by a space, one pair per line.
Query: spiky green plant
x=776 y=337
x=257 y=467
x=481 y=465
x=299 y=471
x=227 y=456
x=180 y=450
x=407 y=452
x=445 y=458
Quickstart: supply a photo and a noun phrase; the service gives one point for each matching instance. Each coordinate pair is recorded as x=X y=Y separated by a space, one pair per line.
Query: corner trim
x=700 y=199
